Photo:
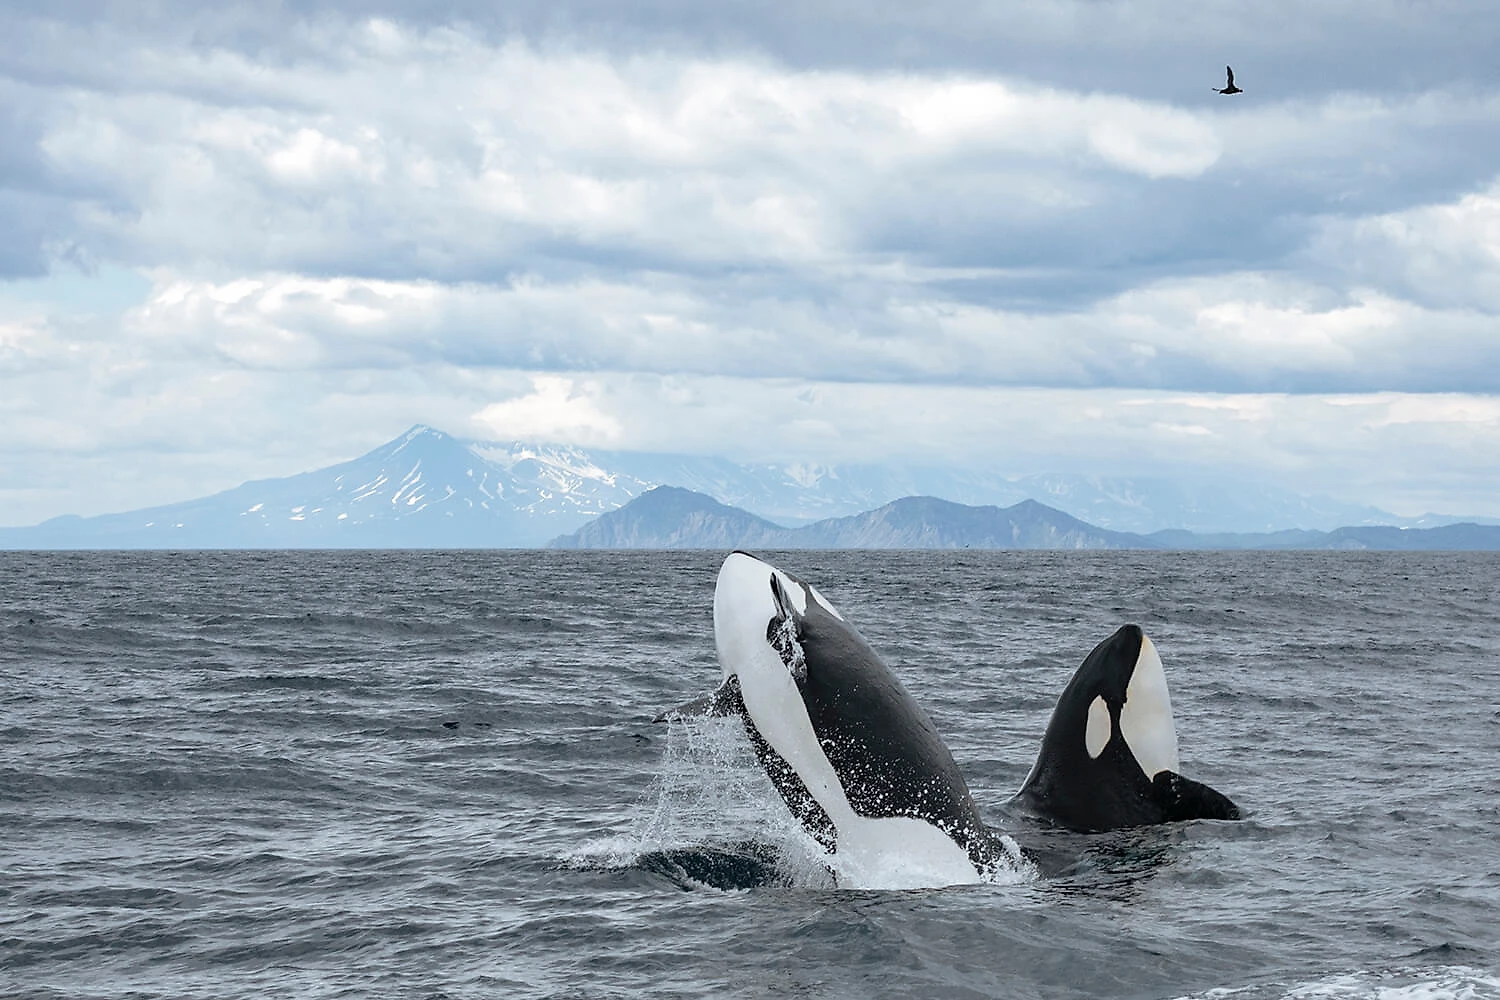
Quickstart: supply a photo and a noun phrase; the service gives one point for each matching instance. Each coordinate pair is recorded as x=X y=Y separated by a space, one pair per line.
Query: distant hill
x=672 y=518
x=930 y=523
x=669 y=517
x=1448 y=537
x=1379 y=538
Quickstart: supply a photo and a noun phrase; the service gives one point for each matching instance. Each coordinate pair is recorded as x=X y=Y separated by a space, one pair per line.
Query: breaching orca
x=863 y=769
x=856 y=759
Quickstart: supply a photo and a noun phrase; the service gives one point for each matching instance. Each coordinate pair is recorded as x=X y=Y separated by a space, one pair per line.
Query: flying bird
x=1231 y=88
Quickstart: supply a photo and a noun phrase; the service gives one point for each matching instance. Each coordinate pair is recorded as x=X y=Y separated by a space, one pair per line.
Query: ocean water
x=433 y=774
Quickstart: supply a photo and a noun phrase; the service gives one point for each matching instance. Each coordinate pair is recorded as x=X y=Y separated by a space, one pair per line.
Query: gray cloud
x=411 y=212
x=1157 y=49
x=489 y=160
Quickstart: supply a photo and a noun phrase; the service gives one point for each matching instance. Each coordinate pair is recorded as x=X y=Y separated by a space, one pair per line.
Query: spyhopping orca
x=863 y=769
x=1228 y=88
x=1109 y=756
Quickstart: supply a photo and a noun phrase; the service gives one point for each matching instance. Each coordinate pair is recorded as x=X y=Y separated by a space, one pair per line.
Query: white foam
x=1438 y=983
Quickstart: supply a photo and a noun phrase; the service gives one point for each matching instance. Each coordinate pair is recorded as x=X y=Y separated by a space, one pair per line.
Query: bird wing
x=1230 y=71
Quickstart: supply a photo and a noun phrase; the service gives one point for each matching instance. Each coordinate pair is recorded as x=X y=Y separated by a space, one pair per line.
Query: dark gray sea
x=433 y=774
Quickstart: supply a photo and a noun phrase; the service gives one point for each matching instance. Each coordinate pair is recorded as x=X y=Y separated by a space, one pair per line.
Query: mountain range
x=673 y=518
x=428 y=489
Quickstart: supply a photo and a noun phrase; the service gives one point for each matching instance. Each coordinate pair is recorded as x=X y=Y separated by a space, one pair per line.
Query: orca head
x=1109 y=756
x=757 y=608
x=1143 y=713
x=1119 y=693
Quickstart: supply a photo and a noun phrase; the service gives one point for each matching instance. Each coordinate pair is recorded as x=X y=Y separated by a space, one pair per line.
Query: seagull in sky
x=1231 y=88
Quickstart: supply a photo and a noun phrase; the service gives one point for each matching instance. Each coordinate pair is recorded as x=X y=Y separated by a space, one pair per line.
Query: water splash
x=712 y=817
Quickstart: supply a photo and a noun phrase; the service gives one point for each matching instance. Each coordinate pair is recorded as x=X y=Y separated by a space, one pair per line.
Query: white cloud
x=312 y=157
x=1238 y=332
x=1444 y=253
x=23 y=345
x=555 y=410
x=441 y=147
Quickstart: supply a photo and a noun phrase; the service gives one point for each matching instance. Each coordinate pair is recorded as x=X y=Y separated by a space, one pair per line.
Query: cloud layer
x=247 y=245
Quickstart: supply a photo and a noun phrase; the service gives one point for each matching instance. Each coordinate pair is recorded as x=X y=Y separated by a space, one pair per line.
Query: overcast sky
x=241 y=241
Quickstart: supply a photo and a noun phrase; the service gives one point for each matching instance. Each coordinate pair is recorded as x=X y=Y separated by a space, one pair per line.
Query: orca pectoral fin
x=1183 y=798
x=722 y=702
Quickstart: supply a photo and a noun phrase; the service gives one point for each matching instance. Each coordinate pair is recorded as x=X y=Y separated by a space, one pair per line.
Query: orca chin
x=863 y=769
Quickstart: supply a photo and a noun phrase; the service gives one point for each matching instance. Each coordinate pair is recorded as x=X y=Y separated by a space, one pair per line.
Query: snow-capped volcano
x=422 y=489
